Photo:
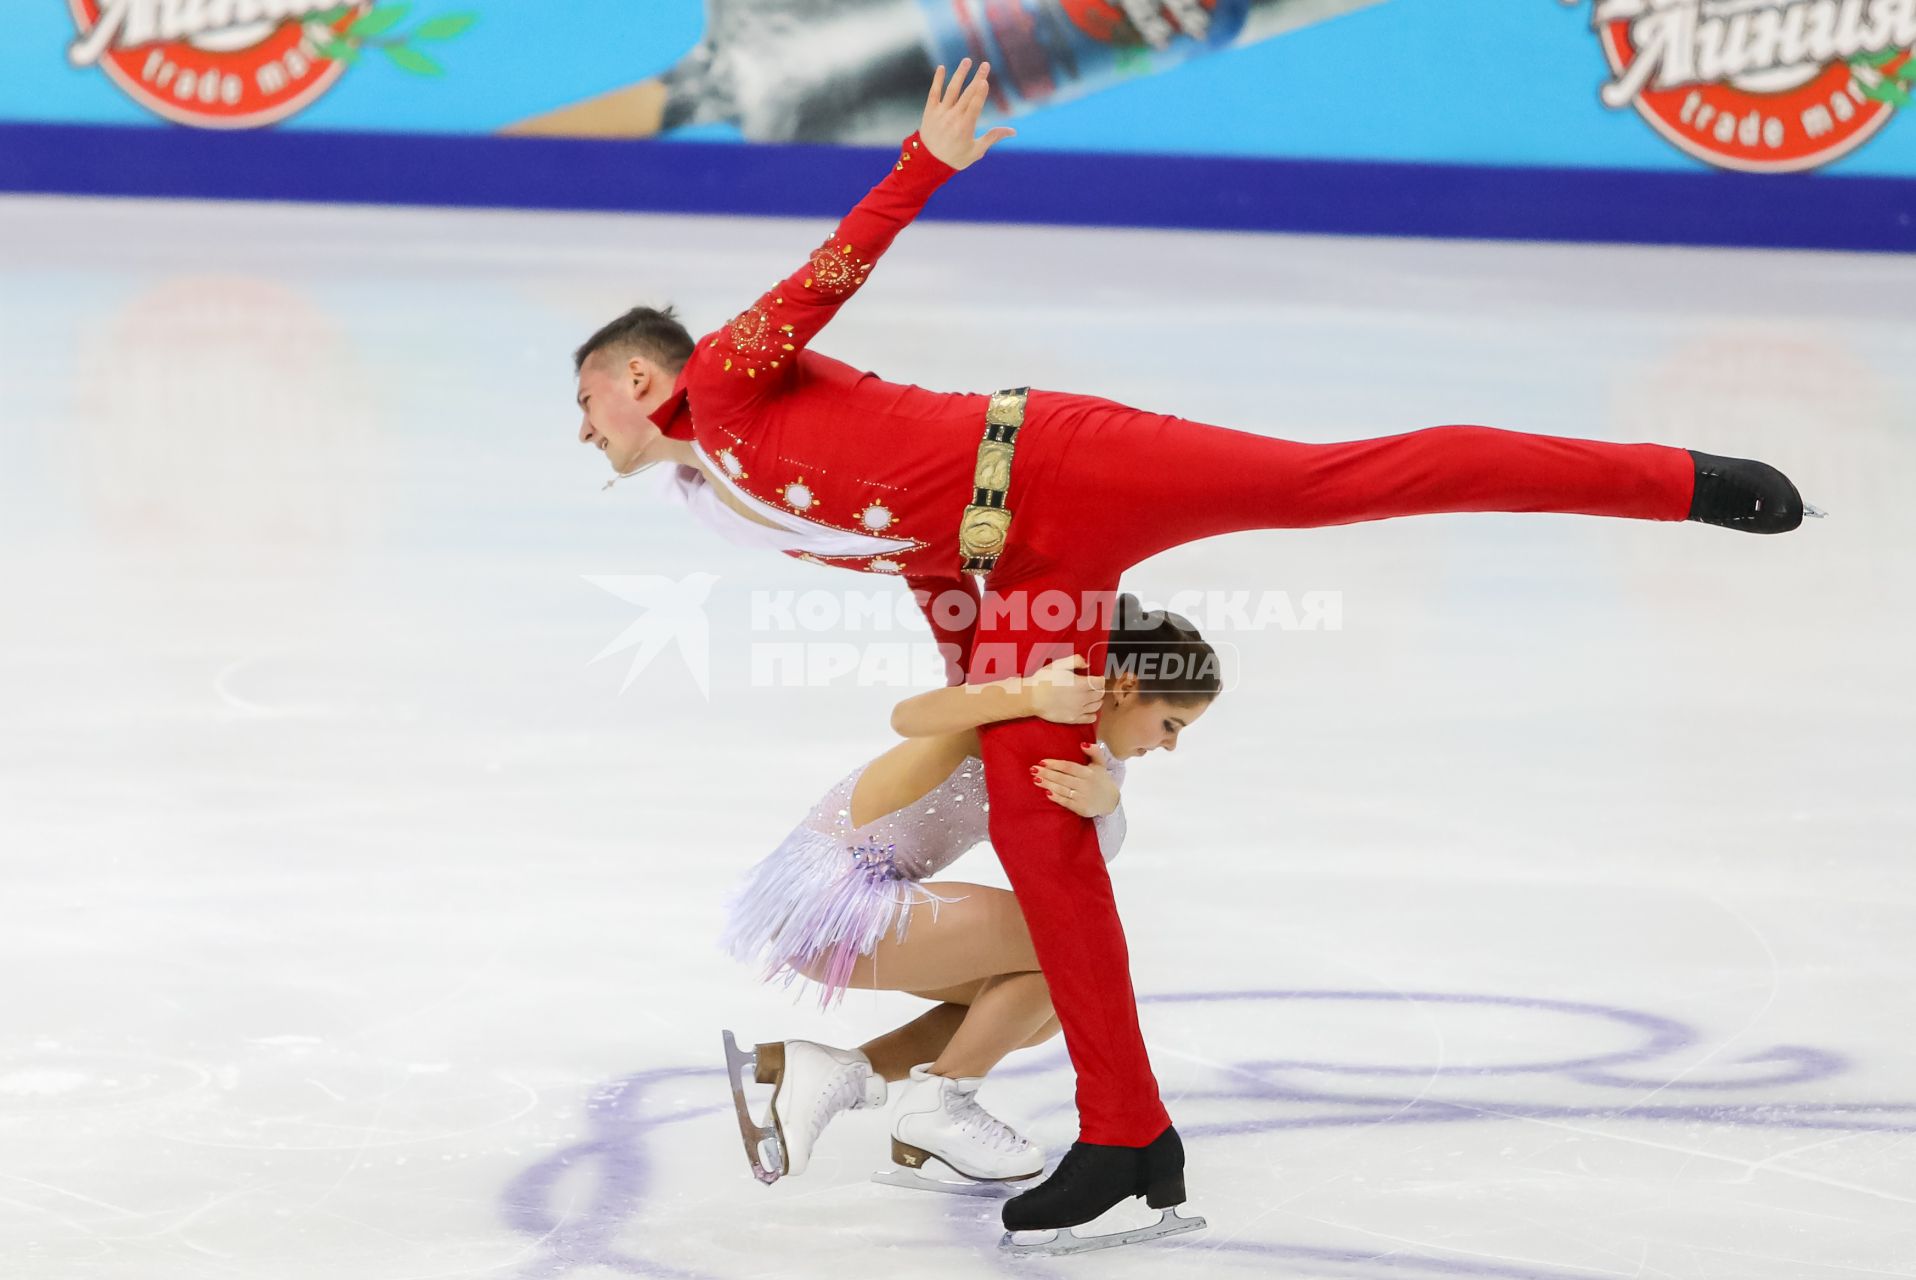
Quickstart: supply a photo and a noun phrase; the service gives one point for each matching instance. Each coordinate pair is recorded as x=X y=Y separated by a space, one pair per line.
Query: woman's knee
x=1049 y=1029
x=1050 y=1010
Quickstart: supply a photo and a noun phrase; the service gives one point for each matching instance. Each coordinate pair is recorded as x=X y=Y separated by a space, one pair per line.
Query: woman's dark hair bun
x=1165 y=652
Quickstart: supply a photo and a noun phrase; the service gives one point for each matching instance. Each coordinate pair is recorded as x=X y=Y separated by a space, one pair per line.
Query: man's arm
x=753 y=354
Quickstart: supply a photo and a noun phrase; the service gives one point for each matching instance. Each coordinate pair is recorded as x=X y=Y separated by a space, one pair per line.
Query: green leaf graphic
x=1888 y=91
x=1878 y=59
x=412 y=60
x=338 y=51
x=328 y=17
x=445 y=28
x=382 y=19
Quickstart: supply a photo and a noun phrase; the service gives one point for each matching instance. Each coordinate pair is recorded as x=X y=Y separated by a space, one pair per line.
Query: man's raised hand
x=950 y=126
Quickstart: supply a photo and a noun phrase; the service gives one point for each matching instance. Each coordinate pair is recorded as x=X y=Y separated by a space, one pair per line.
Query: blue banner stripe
x=1213 y=193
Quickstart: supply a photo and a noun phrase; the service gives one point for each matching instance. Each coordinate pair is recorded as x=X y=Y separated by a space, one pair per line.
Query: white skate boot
x=811 y=1083
x=938 y=1122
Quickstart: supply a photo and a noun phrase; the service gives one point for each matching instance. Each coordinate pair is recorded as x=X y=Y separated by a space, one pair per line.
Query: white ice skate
x=811 y=1083
x=939 y=1126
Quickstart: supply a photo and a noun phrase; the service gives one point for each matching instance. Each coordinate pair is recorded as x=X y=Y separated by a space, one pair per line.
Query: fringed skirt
x=815 y=898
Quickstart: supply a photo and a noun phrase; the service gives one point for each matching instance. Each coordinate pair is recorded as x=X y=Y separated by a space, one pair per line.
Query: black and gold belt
x=987 y=521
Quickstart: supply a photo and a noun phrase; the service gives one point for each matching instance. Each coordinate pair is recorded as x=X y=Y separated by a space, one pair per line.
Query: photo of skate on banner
x=877 y=53
x=985 y=505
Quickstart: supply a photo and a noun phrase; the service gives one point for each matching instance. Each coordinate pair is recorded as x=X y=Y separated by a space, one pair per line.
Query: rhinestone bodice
x=919 y=840
x=924 y=837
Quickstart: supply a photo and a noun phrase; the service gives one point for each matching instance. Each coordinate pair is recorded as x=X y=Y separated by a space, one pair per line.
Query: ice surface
x=1551 y=917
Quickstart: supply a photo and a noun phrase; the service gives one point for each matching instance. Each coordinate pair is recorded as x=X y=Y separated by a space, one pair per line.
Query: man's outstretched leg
x=1125 y=484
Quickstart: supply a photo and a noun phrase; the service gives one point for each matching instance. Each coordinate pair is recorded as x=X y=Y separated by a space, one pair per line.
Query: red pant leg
x=1113 y=485
x=1052 y=858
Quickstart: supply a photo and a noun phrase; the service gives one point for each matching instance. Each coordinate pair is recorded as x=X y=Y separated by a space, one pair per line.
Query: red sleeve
x=751 y=356
x=954 y=641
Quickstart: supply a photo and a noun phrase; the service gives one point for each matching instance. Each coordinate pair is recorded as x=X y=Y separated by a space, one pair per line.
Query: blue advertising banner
x=1489 y=117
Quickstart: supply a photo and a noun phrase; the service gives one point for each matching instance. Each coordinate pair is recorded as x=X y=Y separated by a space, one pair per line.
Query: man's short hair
x=647 y=331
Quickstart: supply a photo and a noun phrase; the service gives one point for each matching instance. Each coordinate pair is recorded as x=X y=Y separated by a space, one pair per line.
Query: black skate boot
x=1088 y=1182
x=1739 y=493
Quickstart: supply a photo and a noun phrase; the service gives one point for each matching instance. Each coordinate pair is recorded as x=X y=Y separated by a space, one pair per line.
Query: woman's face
x=1131 y=723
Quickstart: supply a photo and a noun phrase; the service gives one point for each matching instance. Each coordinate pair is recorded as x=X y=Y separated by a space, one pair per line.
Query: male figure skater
x=840 y=467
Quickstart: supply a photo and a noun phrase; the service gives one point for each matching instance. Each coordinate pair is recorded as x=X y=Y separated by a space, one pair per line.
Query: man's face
x=612 y=417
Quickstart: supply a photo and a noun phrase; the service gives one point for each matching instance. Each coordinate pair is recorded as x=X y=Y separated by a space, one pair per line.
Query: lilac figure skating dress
x=832 y=890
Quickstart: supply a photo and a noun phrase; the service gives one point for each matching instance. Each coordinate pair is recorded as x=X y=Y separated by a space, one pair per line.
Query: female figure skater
x=842 y=902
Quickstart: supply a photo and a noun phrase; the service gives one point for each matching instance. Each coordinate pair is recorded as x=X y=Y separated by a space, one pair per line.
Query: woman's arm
x=1056 y=693
x=956 y=708
x=1089 y=789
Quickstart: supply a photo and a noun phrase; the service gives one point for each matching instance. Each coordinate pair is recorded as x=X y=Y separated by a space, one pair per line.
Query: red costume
x=1094 y=488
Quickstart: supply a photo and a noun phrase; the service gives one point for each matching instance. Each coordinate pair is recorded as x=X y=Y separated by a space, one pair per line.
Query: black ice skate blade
x=1059 y=1244
x=956 y=1185
x=762 y=1146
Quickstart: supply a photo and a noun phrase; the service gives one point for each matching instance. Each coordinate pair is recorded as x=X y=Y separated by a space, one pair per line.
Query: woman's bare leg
x=976 y=933
x=925 y=1037
x=972 y=956
x=1008 y=1011
x=895 y=1053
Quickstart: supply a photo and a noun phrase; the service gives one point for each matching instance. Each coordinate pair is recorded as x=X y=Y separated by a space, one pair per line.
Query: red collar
x=672 y=417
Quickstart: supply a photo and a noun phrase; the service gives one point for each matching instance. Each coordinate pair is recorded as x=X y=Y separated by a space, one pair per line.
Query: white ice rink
x=1552 y=917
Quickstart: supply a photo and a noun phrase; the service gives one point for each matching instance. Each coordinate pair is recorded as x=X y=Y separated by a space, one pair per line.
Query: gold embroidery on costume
x=837 y=272
x=884 y=565
x=733 y=467
x=752 y=337
x=806 y=466
x=876 y=516
x=797 y=495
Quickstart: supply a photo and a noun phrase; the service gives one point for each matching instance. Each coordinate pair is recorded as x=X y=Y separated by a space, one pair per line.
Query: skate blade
x=762 y=1146
x=1058 y=1244
x=956 y=1185
x=1815 y=513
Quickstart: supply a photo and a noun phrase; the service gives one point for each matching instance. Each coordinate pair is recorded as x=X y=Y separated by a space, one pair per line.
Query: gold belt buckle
x=986 y=525
x=1007 y=409
x=983 y=530
x=994 y=465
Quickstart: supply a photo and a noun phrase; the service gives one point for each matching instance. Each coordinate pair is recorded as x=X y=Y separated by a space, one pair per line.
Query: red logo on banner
x=1764 y=86
x=236 y=65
